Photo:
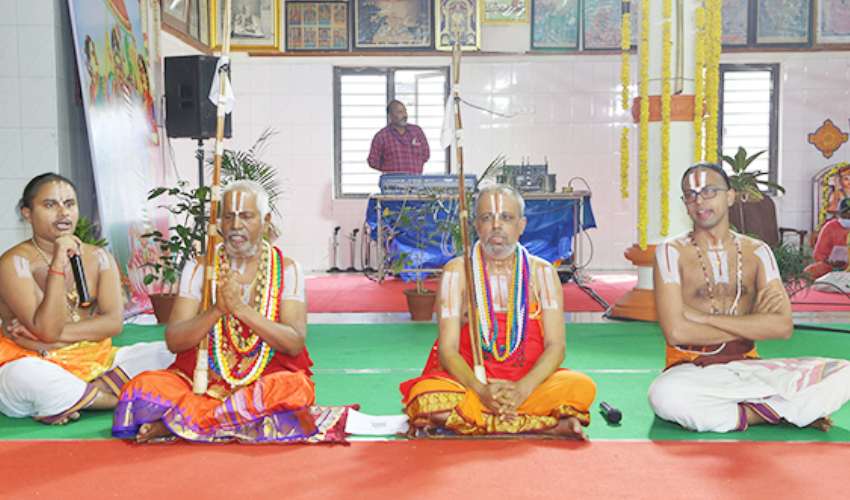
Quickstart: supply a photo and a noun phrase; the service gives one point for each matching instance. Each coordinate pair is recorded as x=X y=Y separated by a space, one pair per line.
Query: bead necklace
x=517 y=314
x=72 y=300
x=709 y=282
x=232 y=345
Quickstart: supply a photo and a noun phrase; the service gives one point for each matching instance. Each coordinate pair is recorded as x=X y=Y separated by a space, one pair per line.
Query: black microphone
x=611 y=414
x=80 y=279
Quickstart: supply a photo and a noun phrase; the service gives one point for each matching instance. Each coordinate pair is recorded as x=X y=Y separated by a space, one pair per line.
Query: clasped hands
x=228 y=298
x=504 y=397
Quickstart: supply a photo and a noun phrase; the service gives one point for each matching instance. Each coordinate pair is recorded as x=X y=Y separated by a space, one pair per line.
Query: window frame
x=389 y=72
x=773 y=134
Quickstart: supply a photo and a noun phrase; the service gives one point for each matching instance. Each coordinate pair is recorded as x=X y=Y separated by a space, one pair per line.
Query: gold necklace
x=72 y=299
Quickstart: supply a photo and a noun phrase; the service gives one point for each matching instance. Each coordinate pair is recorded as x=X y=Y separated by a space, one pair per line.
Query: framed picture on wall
x=504 y=11
x=458 y=19
x=554 y=24
x=175 y=14
x=736 y=19
x=783 y=22
x=602 y=20
x=833 y=24
x=316 y=26
x=393 y=24
x=254 y=24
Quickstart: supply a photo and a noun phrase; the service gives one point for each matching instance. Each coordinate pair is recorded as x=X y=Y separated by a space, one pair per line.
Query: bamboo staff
x=200 y=379
x=463 y=215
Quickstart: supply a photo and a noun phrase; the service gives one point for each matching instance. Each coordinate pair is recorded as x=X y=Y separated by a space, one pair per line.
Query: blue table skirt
x=548 y=234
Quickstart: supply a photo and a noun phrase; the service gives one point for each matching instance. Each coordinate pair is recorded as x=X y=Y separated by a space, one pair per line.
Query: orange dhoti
x=564 y=394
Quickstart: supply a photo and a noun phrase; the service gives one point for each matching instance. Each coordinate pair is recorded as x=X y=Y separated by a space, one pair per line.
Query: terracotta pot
x=420 y=305
x=162 y=304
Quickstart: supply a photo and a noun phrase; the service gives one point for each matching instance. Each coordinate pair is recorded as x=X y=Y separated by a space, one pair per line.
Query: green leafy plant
x=185 y=237
x=792 y=259
x=748 y=183
x=89 y=232
x=246 y=165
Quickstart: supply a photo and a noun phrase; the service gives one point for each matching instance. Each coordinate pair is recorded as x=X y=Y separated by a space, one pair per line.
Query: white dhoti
x=711 y=398
x=34 y=387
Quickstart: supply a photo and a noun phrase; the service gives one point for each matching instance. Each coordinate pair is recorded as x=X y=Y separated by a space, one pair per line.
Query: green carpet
x=365 y=363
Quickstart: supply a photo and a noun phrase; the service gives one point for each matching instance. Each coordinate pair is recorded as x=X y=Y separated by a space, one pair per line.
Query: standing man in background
x=399 y=148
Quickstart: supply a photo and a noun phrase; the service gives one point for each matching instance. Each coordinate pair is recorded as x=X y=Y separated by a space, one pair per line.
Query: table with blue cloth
x=425 y=242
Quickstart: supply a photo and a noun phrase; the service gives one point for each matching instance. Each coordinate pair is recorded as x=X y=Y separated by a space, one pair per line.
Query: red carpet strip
x=425 y=469
x=355 y=293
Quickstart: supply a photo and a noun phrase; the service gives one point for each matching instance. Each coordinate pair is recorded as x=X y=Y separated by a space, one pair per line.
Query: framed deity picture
x=504 y=11
x=554 y=24
x=393 y=24
x=833 y=24
x=736 y=20
x=602 y=22
x=317 y=26
x=254 y=24
x=175 y=14
x=783 y=22
x=458 y=20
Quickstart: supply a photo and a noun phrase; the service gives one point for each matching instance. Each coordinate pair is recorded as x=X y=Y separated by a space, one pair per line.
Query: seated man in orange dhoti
x=259 y=369
x=56 y=354
x=521 y=323
x=831 y=249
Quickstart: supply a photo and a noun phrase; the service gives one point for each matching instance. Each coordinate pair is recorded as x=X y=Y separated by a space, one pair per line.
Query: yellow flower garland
x=825 y=192
x=699 y=83
x=624 y=162
x=666 y=49
x=625 y=80
x=643 y=150
x=714 y=29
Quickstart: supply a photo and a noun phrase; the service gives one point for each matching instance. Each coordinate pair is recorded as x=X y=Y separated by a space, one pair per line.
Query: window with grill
x=360 y=111
x=749 y=110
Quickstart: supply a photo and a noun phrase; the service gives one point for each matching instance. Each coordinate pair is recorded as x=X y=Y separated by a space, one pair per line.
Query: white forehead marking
x=697 y=185
x=238 y=202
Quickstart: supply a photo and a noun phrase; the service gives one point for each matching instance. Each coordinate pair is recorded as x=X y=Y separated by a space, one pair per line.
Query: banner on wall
x=119 y=63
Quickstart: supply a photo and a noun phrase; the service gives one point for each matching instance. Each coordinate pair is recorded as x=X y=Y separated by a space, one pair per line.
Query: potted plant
x=182 y=244
x=753 y=212
x=792 y=259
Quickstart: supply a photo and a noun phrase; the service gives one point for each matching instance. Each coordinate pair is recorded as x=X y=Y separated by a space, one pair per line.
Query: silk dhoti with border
x=563 y=394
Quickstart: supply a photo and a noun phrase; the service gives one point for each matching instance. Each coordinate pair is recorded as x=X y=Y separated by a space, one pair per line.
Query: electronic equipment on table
x=528 y=178
x=423 y=184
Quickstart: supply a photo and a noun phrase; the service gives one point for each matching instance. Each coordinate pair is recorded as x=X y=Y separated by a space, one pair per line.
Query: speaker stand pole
x=199 y=154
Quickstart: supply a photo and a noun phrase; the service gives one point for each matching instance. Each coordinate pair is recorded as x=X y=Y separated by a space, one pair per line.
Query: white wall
x=42 y=127
x=567 y=107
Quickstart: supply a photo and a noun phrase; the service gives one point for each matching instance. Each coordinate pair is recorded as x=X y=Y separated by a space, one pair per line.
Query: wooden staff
x=463 y=215
x=200 y=379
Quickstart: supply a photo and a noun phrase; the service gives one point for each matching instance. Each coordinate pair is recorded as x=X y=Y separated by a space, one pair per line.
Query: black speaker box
x=188 y=110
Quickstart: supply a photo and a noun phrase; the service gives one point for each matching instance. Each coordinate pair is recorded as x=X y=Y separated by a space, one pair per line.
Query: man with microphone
x=56 y=353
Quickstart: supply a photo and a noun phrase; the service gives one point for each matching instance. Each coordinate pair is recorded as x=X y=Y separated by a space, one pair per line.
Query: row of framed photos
x=560 y=24
x=341 y=25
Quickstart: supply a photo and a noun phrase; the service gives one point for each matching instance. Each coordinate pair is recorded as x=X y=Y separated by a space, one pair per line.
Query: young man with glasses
x=717 y=292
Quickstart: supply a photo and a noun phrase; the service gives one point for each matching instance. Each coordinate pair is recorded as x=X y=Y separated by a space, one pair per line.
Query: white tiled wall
x=566 y=111
x=42 y=127
x=565 y=106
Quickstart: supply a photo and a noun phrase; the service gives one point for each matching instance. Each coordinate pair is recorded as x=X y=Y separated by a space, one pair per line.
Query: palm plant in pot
x=183 y=243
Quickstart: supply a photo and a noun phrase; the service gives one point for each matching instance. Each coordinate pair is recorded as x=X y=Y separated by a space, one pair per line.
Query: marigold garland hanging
x=714 y=29
x=643 y=149
x=625 y=80
x=666 y=50
x=699 y=83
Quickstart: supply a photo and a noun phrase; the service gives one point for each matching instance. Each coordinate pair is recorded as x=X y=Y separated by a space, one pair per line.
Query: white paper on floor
x=375 y=425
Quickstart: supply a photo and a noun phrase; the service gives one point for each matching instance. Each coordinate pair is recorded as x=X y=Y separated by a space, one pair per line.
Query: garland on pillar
x=625 y=80
x=666 y=50
x=643 y=149
x=699 y=83
x=714 y=29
